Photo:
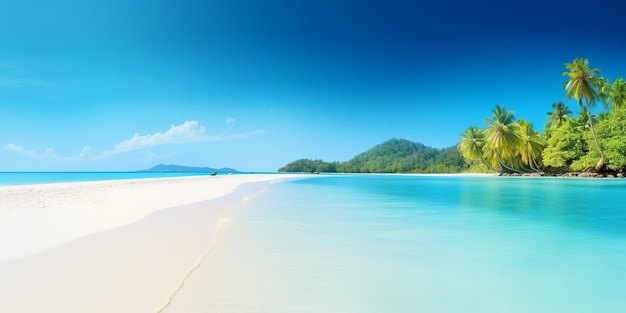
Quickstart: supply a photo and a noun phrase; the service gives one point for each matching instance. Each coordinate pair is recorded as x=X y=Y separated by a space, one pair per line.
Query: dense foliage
x=306 y=165
x=585 y=143
x=393 y=156
x=403 y=156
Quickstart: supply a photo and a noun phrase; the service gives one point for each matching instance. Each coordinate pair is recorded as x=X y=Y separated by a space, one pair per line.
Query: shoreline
x=37 y=217
x=608 y=175
x=418 y=174
x=134 y=267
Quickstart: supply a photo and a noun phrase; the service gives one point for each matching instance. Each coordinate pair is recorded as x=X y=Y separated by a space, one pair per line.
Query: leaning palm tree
x=531 y=145
x=502 y=136
x=580 y=86
x=559 y=113
x=471 y=145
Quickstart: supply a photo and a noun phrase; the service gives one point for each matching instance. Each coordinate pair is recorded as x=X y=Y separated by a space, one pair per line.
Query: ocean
x=400 y=243
x=27 y=178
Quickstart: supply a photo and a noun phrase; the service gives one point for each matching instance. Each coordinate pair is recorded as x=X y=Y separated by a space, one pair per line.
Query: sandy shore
x=110 y=246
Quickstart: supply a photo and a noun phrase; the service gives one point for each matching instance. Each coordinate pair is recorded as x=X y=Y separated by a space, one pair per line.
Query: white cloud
x=188 y=132
x=21 y=150
x=47 y=154
x=230 y=121
x=50 y=154
x=85 y=152
x=243 y=135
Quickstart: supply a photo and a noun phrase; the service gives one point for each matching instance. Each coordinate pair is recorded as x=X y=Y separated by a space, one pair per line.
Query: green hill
x=392 y=156
x=307 y=165
x=183 y=169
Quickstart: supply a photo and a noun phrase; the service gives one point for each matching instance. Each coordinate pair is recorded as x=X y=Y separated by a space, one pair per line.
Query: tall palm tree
x=531 y=145
x=502 y=136
x=559 y=113
x=580 y=86
x=472 y=144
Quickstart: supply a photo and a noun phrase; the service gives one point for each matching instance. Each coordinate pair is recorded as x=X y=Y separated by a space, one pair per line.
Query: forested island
x=392 y=156
x=580 y=144
x=187 y=169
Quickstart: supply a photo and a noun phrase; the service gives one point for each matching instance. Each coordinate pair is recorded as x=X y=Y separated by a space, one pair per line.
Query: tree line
x=392 y=156
x=582 y=142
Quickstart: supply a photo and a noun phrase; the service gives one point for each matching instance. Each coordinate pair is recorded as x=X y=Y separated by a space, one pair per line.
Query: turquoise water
x=23 y=178
x=421 y=244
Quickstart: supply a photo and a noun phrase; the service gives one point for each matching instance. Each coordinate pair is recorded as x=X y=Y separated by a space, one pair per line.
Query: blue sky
x=125 y=85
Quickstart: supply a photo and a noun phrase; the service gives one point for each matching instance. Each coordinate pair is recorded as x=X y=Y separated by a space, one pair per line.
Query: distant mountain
x=392 y=156
x=310 y=166
x=181 y=168
x=404 y=156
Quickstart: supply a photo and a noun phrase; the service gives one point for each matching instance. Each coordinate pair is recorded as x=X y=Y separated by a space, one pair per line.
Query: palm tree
x=559 y=113
x=613 y=95
x=472 y=144
x=502 y=136
x=580 y=86
x=583 y=118
x=603 y=115
x=603 y=86
x=531 y=144
x=617 y=92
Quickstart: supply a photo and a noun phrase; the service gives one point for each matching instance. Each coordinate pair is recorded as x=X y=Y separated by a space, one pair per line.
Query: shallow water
x=375 y=243
x=28 y=178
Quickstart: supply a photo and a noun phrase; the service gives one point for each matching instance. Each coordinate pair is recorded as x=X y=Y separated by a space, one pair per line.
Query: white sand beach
x=110 y=246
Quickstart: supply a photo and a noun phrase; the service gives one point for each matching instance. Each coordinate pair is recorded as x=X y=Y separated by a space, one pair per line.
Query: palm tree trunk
x=602 y=160
x=505 y=166
x=537 y=169
x=486 y=163
x=532 y=164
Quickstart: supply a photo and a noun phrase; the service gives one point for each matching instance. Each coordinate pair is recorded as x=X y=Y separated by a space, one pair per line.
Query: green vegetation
x=403 y=156
x=582 y=85
x=471 y=147
x=392 y=156
x=306 y=165
x=506 y=145
x=586 y=143
x=581 y=143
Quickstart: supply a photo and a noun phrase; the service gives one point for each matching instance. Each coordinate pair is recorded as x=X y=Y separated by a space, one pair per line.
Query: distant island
x=188 y=169
x=392 y=156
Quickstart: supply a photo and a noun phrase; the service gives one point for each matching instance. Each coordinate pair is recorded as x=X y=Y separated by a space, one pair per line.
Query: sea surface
x=27 y=178
x=392 y=243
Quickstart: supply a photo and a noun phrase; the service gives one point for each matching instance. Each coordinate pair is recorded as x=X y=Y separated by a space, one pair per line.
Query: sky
x=123 y=85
